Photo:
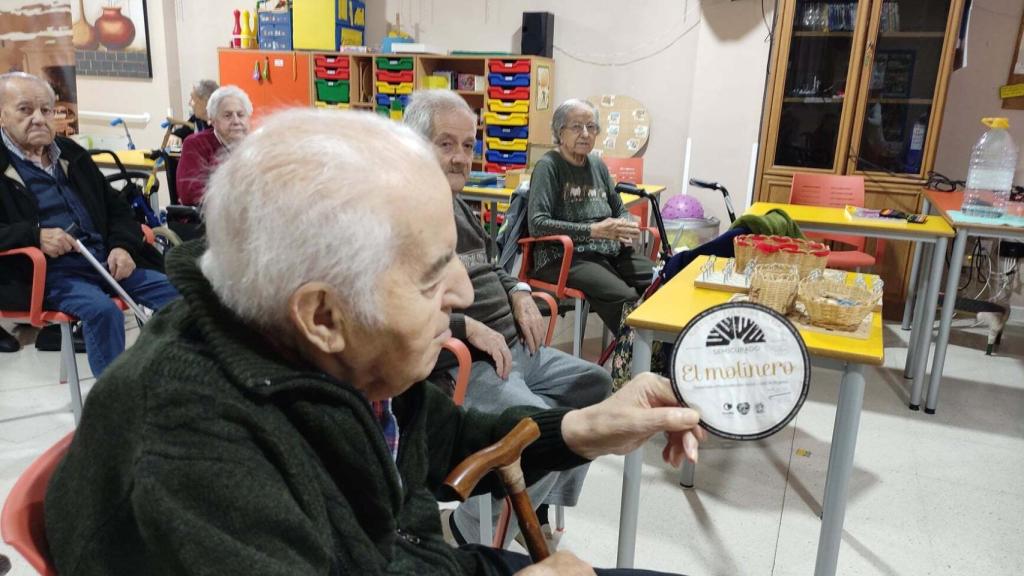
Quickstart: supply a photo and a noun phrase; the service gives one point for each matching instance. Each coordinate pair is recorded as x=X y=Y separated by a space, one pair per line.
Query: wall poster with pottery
x=35 y=37
x=111 y=38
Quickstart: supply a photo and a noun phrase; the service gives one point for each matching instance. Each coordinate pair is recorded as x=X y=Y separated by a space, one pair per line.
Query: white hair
x=204 y=88
x=302 y=199
x=7 y=77
x=425 y=105
x=561 y=115
x=229 y=91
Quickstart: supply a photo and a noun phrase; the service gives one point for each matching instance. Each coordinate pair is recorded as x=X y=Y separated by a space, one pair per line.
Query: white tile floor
x=931 y=495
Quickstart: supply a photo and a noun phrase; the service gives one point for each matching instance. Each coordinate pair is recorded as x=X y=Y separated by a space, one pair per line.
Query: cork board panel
x=625 y=126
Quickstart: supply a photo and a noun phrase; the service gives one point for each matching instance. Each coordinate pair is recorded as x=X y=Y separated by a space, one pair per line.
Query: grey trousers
x=549 y=379
x=608 y=282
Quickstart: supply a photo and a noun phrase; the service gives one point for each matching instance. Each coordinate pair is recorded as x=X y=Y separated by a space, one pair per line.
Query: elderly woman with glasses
x=572 y=194
x=229 y=111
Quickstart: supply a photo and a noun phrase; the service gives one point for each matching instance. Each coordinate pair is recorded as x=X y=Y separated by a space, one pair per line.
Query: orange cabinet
x=271 y=79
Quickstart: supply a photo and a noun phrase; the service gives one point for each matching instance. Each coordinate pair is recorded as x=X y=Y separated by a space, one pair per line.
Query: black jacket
x=202 y=451
x=19 y=220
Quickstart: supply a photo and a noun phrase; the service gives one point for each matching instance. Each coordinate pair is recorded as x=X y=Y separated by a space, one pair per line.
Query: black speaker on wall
x=538 y=33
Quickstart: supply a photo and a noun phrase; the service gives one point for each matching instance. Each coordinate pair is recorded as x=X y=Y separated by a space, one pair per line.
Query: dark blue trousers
x=83 y=293
x=720 y=246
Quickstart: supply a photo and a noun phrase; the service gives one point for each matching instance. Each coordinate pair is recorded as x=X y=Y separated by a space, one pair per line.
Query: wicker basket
x=774 y=286
x=833 y=304
x=806 y=255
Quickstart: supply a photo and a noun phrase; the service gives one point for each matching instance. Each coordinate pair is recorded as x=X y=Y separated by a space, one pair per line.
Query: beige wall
x=728 y=89
x=973 y=93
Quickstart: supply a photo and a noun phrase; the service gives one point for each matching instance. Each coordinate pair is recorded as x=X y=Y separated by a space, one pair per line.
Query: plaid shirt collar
x=20 y=154
x=388 y=424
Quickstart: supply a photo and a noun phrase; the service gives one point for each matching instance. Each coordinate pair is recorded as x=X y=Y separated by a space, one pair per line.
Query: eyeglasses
x=941 y=183
x=591 y=128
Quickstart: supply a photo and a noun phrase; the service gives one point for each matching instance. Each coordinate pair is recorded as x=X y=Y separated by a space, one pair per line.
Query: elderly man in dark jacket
x=274 y=419
x=48 y=184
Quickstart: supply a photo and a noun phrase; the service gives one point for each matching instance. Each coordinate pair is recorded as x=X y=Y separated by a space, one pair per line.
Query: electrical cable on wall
x=671 y=43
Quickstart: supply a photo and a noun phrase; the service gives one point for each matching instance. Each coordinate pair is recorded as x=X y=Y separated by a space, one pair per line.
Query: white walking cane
x=140 y=314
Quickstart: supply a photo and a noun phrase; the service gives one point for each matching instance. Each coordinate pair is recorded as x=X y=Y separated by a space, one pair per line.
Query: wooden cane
x=504 y=457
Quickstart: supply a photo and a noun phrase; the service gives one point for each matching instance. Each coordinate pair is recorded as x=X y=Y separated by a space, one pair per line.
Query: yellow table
x=925 y=273
x=494 y=196
x=665 y=314
x=132 y=160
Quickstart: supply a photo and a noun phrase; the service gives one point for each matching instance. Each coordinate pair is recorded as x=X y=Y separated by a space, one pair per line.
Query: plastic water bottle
x=990 y=175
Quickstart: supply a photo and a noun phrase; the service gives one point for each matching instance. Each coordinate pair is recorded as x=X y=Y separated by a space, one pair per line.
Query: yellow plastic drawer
x=388 y=88
x=516 y=145
x=330 y=106
x=499 y=119
x=509 y=107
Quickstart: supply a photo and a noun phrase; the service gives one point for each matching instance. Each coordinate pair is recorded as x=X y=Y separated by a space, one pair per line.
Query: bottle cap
x=1003 y=123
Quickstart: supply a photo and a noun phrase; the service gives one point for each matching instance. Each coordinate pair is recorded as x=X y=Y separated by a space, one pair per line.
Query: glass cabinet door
x=817 y=73
x=897 y=98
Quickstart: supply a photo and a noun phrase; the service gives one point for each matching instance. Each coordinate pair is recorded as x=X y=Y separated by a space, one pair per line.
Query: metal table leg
x=918 y=319
x=908 y=306
x=928 y=319
x=840 y=468
x=688 y=473
x=948 y=305
x=67 y=357
x=633 y=469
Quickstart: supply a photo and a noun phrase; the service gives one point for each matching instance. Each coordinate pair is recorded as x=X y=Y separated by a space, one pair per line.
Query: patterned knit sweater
x=566 y=200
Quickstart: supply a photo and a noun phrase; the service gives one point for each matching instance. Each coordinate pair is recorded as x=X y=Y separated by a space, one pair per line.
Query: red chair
x=22 y=522
x=465 y=363
x=38 y=317
x=560 y=289
x=837 y=192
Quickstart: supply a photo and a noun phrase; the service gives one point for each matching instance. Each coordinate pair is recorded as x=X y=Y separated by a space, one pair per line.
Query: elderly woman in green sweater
x=572 y=194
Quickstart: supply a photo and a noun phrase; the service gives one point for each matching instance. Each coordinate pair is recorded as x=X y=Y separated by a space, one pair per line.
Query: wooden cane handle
x=464 y=478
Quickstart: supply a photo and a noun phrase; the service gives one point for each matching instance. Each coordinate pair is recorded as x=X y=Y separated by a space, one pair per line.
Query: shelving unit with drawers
x=514 y=104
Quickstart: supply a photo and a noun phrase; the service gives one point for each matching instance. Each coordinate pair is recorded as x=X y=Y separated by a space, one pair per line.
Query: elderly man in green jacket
x=274 y=420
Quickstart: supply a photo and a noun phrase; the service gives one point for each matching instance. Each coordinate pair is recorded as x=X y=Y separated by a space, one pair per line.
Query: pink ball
x=682 y=206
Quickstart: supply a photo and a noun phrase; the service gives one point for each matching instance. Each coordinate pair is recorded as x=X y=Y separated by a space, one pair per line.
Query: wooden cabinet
x=271 y=79
x=858 y=87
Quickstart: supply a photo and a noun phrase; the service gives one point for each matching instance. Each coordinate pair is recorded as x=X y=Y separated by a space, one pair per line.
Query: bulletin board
x=1015 y=83
x=625 y=126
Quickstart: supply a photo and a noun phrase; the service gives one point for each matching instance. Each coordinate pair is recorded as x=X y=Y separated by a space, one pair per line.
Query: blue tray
x=508 y=80
x=508 y=132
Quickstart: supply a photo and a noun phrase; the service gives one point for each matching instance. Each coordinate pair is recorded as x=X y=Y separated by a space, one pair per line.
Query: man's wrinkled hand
x=489 y=341
x=55 y=242
x=623 y=422
x=532 y=324
x=120 y=264
x=560 y=563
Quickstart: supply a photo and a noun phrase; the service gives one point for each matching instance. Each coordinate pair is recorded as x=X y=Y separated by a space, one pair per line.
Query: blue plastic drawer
x=508 y=132
x=506 y=157
x=509 y=80
x=386 y=100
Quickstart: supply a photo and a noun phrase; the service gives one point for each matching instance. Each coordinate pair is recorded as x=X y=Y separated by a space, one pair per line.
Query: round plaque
x=744 y=367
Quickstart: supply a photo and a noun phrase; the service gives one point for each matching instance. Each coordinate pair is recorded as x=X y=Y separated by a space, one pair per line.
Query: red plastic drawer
x=510 y=66
x=330 y=61
x=501 y=168
x=394 y=76
x=331 y=73
x=499 y=93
